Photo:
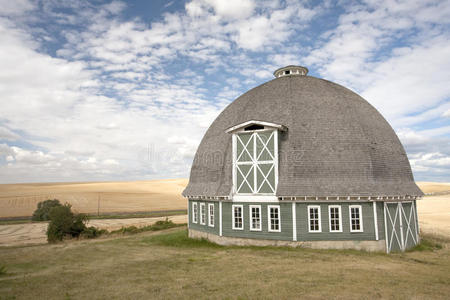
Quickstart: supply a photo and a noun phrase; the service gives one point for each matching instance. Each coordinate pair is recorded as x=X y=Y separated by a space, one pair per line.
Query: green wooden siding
x=205 y=228
x=285 y=216
x=380 y=217
x=302 y=223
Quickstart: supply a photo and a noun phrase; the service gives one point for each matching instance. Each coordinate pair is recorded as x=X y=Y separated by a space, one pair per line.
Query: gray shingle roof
x=336 y=144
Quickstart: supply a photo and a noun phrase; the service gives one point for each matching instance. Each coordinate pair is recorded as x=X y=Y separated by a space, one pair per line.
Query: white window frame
x=340 y=217
x=233 y=216
x=194 y=212
x=251 y=217
x=361 y=229
x=319 y=218
x=211 y=221
x=254 y=163
x=269 y=220
x=202 y=213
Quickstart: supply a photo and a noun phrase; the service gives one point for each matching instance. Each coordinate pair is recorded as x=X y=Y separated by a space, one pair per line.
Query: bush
x=93 y=232
x=63 y=222
x=43 y=210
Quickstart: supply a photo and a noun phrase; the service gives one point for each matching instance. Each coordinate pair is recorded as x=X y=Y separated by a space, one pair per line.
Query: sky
x=100 y=90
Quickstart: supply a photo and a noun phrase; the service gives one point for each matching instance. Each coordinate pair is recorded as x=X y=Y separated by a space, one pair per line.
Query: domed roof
x=336 y=143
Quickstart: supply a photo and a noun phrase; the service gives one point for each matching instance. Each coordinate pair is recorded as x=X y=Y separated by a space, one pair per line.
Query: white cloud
x=6 y=134
x=16 y=7
x=123 y=98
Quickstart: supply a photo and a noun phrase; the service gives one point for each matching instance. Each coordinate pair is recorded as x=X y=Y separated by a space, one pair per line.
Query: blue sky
x=100 y=90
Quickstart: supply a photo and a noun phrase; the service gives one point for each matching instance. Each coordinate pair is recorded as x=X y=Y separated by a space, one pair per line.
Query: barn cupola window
x=255 y=157
x=291 y=71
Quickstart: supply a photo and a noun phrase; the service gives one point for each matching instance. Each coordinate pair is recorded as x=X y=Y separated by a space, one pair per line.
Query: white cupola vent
x=291 y=71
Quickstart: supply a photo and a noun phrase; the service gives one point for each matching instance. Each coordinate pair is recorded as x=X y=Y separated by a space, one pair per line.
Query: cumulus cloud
x=106 y=96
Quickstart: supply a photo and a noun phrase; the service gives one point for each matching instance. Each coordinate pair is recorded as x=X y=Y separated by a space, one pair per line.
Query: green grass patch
x=159 y=225
x=427 y=244
x=179 y=239
x=2 y=270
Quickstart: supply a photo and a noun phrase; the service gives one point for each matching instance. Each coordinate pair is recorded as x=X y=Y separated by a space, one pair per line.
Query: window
x=334 y=212
x=253 y=127
x=255 y=217
x=273 y=212
x=211 y=214
x=238 y=221
x=202 y=214
x=256 y=162
x=194 y=212
x=355 y=213
x=314 y=219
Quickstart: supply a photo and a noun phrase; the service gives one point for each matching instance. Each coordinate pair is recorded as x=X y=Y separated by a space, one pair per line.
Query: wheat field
x=20 y=200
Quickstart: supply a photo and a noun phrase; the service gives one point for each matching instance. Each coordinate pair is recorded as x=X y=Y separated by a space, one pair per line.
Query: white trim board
x=254 y=122
x=268 y=218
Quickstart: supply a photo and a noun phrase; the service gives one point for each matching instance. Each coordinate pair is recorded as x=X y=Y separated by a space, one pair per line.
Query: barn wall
x=368 y=224
x=205 y=228
x=380 y=217
x=285 y=218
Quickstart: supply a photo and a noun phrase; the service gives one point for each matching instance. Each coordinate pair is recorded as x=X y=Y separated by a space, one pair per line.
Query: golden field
x=20 y=200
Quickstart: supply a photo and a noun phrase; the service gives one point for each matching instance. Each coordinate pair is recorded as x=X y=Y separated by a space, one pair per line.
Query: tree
x=63 y=222
x=43 y=209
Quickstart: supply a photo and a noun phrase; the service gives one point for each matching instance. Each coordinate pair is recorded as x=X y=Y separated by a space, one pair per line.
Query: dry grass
x=18 y=200
x=168 y=265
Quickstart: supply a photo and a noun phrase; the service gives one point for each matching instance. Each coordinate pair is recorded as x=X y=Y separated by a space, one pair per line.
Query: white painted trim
x=268 y=218
x=294 y=222
x=309 y=218
x=375 y=220
x=255 y=164
x=234 y=147
x=220 y=218
x=360 y=218
x=202 y=213
x=400 y=207
x=251 y=220
x=385 y=228
x=416 y=224
x=254 y=122
x=256 y=198
x=188 y=215
x=232 y=216
x=194 y=212
x=211 y=224
x=340 y=217
x=276 y=158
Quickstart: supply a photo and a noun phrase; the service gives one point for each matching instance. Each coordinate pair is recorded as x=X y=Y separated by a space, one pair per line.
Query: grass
x=158 y=225
x=167 y=264
x=2 y=270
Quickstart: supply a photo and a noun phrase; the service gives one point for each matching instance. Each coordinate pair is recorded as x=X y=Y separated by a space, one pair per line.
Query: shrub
x=43 y=209
x=93 y=232
x=63 y=222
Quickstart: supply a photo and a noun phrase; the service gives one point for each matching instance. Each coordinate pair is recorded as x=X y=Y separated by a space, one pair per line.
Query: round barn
x=302 y=161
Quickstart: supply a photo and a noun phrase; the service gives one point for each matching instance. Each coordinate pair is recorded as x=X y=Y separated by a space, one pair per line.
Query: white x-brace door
x=400 y=226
